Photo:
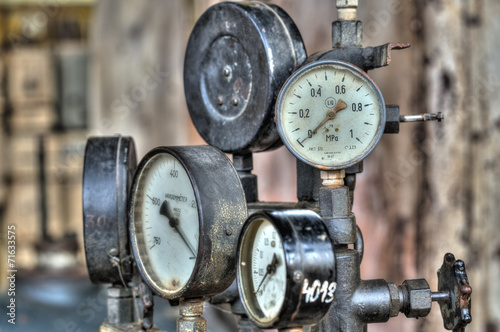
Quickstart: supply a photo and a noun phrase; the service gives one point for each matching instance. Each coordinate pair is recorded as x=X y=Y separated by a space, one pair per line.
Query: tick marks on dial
x=296 y=95
x=366 y=105
x=295 y=130
x=308 y=82
x=343 y=78
x=359 y=140
x=359 y=88
x=366 y=123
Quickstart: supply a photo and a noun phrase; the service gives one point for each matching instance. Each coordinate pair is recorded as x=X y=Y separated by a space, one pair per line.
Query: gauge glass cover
x=263 y=271
x=330 y=114
x=166 y=223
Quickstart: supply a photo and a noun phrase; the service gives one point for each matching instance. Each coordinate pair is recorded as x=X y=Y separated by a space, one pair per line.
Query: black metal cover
x=108 y=171
x=237 y=58
x=309 y=259
x=222 y=211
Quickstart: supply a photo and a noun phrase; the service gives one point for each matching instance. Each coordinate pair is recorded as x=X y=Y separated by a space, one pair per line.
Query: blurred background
x=74 y=69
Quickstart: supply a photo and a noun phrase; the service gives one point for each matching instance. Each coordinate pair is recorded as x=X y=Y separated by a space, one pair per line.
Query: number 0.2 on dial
x=330 y=114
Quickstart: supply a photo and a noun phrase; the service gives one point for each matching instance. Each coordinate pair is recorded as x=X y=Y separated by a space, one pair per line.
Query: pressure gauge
x=187 y=208
x=108 y=170
x=286 y=269
x=330 y=114
x=238 y=57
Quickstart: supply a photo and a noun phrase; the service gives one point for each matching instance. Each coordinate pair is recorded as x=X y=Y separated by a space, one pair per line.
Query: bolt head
x=298 y=276
x=419 y=297
x=113 y=252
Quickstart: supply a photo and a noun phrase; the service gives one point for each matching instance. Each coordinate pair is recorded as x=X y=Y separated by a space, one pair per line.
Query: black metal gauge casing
x=108 y=171
x=187 y=208
x=237 y=58
x=286 y=269
x=330 y=114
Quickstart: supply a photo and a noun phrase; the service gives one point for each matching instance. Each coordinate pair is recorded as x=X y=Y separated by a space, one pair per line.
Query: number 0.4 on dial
x=330 y=114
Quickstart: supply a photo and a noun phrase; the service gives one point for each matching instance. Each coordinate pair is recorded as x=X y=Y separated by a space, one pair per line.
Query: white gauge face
x=262 y=271
x=330 y=114
x=166 y=223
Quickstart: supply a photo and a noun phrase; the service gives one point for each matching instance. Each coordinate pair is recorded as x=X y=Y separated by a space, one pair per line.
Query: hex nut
x=395 y=300
x=419 y=298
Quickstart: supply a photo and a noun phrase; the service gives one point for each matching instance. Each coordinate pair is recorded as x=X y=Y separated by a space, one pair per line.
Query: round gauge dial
x=238 y=56
x=330 y=114
x=172 y=204
x=263 y=262
x=169 y=230
x=108 y=170
x=285 y=255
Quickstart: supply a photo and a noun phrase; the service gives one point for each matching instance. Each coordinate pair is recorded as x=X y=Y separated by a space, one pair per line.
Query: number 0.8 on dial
x=330 y=114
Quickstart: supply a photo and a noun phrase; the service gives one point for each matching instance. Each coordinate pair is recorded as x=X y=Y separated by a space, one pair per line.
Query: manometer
x=330 y=114
x=108 y=171
x=187 y=208
x=286 y=268
x=238 y=57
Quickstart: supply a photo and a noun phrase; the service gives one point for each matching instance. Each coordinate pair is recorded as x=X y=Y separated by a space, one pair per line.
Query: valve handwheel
x=452 y=278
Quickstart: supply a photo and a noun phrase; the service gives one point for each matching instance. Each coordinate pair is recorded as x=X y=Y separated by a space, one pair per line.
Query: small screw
x=298 y=276
x=227 y=71
x=220 y=100
x=113 y=252
x=235 y=101
x=229 y=231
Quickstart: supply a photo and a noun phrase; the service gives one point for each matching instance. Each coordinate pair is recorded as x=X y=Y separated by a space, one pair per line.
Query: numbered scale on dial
x=286 y=269
x=330 y=114
x=187 y=209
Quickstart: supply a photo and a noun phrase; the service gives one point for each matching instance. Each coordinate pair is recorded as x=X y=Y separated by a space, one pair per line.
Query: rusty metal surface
x=222 y=211
x=453 y=279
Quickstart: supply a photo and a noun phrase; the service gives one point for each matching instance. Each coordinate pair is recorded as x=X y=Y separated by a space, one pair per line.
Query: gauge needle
x=270 y=269
x=330 y=115
x=174 y=223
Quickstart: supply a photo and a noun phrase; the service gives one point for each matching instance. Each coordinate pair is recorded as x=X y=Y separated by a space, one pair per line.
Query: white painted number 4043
x=323 y=291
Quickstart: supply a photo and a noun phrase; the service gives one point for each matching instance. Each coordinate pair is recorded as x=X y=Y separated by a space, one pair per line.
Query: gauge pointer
x=270 y=269
x=330 y=115
x=174 y=223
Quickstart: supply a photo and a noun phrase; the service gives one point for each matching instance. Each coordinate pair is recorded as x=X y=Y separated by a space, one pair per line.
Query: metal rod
x=440 y=296
x=347 y=10
x=421 y=117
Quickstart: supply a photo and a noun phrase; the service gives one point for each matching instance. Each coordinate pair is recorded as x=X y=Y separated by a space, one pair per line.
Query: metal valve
x=454 y=294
